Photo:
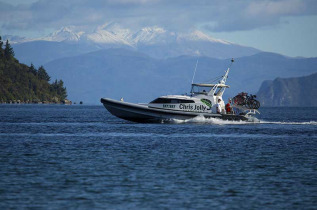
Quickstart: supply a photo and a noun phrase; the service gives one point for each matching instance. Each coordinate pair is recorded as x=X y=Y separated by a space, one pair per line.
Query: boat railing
x=252 y=111
x=246 y=110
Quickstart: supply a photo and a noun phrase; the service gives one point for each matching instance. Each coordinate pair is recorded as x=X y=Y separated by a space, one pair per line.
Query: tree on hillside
x=1 y=42
x=8 y=51
x=42 y=74
x=1 y=50
x=62 y=89
x=58 y=88
x=32 y=69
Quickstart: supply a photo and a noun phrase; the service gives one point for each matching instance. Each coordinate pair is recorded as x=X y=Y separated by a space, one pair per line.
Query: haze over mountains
x=117 y=73
x=140 y=65
x=153 y=41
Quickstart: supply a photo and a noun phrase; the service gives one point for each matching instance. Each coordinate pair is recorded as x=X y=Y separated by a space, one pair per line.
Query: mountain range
x=137 y=77
x=116 y=62
x=153 y=41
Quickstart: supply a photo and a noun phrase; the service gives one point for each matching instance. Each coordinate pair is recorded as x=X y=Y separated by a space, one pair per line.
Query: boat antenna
x=195 y=70
x=224 y=78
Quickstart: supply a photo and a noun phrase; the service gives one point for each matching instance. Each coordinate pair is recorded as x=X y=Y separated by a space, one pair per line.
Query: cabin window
x=174 y=101
x=200 y=89
x=184 y=101
x=171 y=101
x=161 y=101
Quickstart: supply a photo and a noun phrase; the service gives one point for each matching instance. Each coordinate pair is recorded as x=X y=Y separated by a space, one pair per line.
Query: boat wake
x=290 y=123
x=216 y=121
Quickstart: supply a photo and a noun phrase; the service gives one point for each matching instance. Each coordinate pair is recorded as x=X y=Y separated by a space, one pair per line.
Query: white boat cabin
x=203 y=98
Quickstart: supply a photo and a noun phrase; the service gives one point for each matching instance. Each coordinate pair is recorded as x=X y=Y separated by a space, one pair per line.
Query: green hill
x=20 y=83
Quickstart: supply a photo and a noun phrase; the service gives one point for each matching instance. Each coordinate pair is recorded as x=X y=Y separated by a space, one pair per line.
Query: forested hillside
x=20 y=83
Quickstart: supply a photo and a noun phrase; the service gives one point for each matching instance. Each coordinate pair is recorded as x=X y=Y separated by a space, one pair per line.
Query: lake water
x=66 y=157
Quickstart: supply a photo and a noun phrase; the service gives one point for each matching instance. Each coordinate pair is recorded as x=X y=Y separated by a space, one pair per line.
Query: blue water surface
x=66 y=157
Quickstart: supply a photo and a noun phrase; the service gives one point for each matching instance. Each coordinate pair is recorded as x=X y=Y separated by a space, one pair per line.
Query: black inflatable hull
x=144 y=114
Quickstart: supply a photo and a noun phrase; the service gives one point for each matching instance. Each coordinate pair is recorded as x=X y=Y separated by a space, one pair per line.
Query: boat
x=202 y=102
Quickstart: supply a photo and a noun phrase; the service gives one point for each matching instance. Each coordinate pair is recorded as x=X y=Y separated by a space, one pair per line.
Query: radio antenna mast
x=195 y=71
x=224 y=78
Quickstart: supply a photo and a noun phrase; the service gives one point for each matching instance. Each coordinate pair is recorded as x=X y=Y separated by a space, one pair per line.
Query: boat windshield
x=171 y=101
x=200 y=89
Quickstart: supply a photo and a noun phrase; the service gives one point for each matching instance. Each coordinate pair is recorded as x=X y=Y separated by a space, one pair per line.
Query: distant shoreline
x=36 y=104
x=65 y=102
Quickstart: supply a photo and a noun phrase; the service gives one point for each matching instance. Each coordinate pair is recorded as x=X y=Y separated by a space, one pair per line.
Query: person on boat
x=218 y=106
x=228 y=107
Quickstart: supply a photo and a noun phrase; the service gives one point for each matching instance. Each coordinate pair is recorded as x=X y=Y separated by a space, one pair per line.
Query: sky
x=288 y=27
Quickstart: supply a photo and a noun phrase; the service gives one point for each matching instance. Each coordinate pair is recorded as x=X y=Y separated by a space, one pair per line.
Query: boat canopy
x=210 y=85
x=211 y=89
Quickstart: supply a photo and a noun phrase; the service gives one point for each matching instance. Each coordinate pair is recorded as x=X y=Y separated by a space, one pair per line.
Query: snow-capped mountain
x=115 y=34
x=154 y=41
x=117 y=30
x=200 y=36
x=65 y=34
x=152 y=36
x=110 y=34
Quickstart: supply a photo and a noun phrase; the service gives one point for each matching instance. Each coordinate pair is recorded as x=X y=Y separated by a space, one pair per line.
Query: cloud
x=276 y=8
x=213 y=15
x=131 y=1
x=256 y=14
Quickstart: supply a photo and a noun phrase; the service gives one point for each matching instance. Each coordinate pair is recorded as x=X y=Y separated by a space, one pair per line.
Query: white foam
x=290 y=123
x=215 y=121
